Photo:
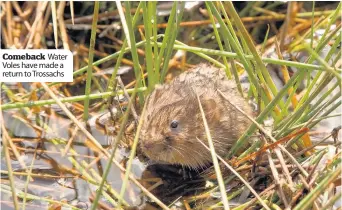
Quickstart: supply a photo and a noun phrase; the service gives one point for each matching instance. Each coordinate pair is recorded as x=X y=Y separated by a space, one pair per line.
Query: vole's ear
x=211 y=109
x=157 y=92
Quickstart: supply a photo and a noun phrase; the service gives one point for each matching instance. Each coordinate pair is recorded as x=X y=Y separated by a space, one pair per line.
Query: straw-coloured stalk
x=112 y=82
x=115 y=145
x=131 y=156
x=54 y=21
x=12 y=189
x=20 y=194
x=269 y=136
x=214 y=158
x=72 y=12
x=240 y=177
x=73 y=118
x=28 y=179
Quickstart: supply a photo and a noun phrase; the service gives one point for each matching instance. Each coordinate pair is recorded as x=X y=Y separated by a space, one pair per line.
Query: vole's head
x=170 y=127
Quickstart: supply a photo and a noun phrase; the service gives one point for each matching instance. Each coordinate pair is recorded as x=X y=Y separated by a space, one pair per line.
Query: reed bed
x=289 y=164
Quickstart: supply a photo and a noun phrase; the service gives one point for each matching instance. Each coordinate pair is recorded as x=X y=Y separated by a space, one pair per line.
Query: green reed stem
x=171 y=35
x=90 y=58
x=67 y=99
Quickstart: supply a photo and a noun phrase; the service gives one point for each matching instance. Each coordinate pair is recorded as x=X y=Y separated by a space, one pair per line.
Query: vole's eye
x=174 y=124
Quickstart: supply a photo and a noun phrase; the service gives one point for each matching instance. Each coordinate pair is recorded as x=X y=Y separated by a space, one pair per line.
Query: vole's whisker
x=177 y=150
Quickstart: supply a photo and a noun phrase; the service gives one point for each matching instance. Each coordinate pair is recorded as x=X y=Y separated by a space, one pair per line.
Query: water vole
x=173 y=121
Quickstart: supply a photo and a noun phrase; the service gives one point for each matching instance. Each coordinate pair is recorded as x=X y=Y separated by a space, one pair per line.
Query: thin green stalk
x=338 y=57
x=166 y=38
x=107 y=187
x=321 y=44
x=232 y=61
x=290 y=120
x=326 y=113
x=131 y=39
x=202 y=55
x=260 y=65
x=230 y=196
x=313 y=83
x=152 y=80
x=312 y=23
x=112 y=81
x=332 y=20
x=227 y=34
x=115 y=145
x=315 y=121
x=334 y=49
x=289 y=99
x=312 y=123
x=219 y=42
x=245 y=47
x=323 y=62
x=134 y=52
x=8 y=92
x=318 y=104
x=257 y=30
x=256 y=145
x=97 y=84
x=247 y=9
x=322 y=23
x=309 y=89
x=332 y=201
x=265 y=39
x=250 y=57
x=67 y=99
x=91 y=58
x=229 y=24
x=173 y=26
x=268 y=109
x=5 y=149
x=13 y=190
x=316 y=158
x=152 y=5
x=131 y=156
x=105 y=59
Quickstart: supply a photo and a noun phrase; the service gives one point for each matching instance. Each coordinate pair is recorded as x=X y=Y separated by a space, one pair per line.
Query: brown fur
x=177 y=101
